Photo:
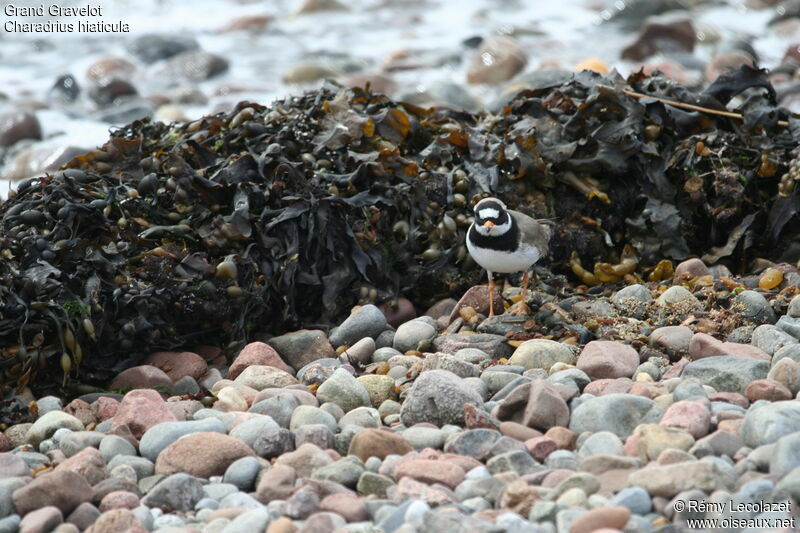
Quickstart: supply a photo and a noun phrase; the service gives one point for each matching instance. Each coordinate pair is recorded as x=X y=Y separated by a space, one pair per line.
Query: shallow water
x=362 y=38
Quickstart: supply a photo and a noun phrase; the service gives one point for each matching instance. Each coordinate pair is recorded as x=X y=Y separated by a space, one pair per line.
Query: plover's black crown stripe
x=506 y=242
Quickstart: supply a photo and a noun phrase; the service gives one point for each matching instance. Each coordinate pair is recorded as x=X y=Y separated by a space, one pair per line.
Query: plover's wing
x=532 y=232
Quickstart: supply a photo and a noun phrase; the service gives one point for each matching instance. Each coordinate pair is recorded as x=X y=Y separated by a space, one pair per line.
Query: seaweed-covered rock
x=268 y=219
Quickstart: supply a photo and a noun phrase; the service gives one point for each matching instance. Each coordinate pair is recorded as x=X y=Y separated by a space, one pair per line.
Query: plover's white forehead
x=488 y=212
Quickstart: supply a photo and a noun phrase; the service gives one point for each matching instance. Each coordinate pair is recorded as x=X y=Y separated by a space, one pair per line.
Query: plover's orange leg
x=521 y=308
x=525 y=281
x=491 y=296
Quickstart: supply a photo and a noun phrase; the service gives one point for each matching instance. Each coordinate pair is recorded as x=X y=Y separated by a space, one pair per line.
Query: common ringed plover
x=505 y=241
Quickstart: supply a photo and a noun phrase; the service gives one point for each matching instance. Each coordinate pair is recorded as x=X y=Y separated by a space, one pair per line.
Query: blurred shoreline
x=178 y=61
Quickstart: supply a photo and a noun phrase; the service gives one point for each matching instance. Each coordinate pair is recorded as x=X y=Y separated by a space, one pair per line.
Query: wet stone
x=632 y=301
x=302 y=347
x=770 y=339
x=438 y=396
x=158 y=437
x=754 y=306
x=726 y=373
x=617 y=413
x=150 y=48
x=541 y=353
x=366 y=321
x=179 y=492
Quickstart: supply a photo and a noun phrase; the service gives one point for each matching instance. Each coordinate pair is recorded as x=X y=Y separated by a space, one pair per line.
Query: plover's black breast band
x=507 y=242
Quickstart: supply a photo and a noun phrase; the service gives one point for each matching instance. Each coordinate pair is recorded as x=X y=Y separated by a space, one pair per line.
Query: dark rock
x=662 y=37
x=274 y=442
x=152 y=47
x=65 y=89
x=300 y=348
x=18 y=125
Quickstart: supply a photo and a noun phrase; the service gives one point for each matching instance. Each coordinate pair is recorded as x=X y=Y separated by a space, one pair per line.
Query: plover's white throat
x=504 y=241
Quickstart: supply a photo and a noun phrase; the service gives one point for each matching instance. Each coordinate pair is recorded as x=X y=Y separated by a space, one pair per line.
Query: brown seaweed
x=266 y=219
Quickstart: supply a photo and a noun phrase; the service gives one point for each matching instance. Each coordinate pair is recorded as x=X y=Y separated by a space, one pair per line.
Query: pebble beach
x=650 y=404
x=395 y=423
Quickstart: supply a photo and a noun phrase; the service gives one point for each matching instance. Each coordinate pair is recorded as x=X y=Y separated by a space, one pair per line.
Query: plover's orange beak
x=488 y=224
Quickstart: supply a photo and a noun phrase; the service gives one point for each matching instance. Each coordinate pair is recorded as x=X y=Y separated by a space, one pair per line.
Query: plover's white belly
x=504 y=262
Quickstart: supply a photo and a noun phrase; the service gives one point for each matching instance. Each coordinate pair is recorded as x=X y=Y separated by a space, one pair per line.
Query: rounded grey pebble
x=49 y=403
x=366 y=321
x=274 y=443
x=771 y=339
x=648 y=368
x=217 y=491
x=320 y=369
x=601 y=443
x=345 y=471
x=689 y=389
x=179 y=492
x=755 y=307
x=47 y=445
x=306 y=415
x=126 y=472
x=476 y=504
x=792 y=351
x=333 y=409
x=143 y=467
x=186 y=385
x=243 y=473
x=410 y=334
x=794 y=307
x=249 y=430
x=104 y=426
x=385 y=339
x=790 y=325
x=366 y=417
x=741 y=335
x=318 y=434
x=280 y=408
x=343 y=438
x=144 y=516
x=398 y=372
x=10 y=524
x=361 y=352
x=574 y=375
x=424 y=437
x=239 y=500
x=384 y=354
x=206 y=503
x=372 y=464
x=59 y=434
x=496 y=380
x=472 y=355
x=114 y=445
x=255 y=519
x=343 y=389
x=562 y=459
x=168 y=520
x=76 y=441
x=632 y=301
x=438 y=397
x=389 y=407
x=634 y=498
